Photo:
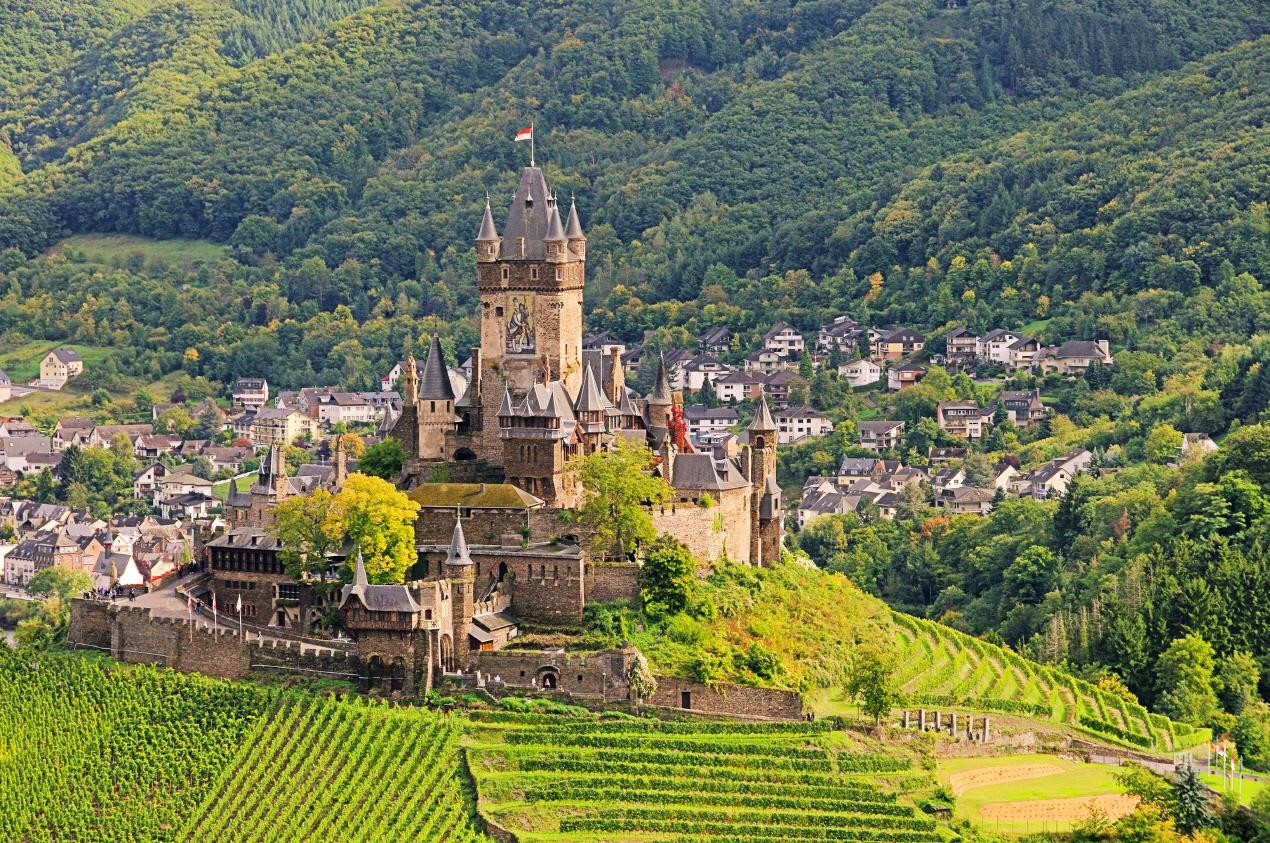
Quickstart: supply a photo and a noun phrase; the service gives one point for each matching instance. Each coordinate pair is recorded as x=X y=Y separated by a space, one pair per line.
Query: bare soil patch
x=984 y=776
x=1111 y=806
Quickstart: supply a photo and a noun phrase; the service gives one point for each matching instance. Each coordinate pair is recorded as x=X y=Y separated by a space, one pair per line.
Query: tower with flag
x=527 y=134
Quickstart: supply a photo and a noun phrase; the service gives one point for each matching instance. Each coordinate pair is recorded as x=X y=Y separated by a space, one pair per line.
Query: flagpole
x=531 y=143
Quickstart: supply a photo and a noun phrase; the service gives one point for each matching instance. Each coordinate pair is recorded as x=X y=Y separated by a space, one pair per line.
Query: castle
x=497 y=464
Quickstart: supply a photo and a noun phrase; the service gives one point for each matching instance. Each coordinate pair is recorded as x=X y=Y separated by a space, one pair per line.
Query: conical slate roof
x=661 y=387
x=590 y=397
x=763 y=421
x=528 y=217
x=488 y=231
x=457 y=553
x=435 y=384
x=555 y=231
x=573 y=228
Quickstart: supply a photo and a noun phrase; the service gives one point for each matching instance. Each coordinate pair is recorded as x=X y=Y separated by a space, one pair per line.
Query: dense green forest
x=736 y=163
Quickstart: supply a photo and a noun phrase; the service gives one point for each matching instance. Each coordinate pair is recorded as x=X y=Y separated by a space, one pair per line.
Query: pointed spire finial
x=457 y=554
x=661 y=386
x=360 y=580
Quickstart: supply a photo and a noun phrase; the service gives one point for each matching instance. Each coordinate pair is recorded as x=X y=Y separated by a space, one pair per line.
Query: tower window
x=498 y=311
x=506 y=270
x=533 y=273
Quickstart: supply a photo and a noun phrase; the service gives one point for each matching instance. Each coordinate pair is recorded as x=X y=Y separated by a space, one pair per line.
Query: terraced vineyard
x=321 y=769
x=90 y=750
x=945 y=667
x=547 y=778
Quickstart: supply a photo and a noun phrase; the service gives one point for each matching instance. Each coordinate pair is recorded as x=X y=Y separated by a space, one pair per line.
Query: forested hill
x=735 y=163
x=750 y=134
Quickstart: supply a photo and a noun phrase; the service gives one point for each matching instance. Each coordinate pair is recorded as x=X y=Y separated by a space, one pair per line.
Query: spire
x=573 y=228
x=763 y=422
x=435 y=385
x=661 y=387
x=555 y=231
x=457 y=553
x=361 y=583
x=590 y=398
x=488 y=232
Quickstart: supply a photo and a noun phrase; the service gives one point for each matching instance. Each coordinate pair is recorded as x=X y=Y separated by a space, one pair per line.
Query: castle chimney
x=613 y=378
x=476 y=372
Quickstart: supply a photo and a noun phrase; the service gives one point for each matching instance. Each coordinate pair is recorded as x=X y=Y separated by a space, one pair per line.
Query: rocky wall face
x=90 y=623
x=547 y=589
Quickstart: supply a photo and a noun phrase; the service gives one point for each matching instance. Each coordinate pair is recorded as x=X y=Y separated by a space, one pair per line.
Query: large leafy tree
x=871 y=681
x=379 y=521
x=620 y=491
x=368 y=513
x=1184 y=680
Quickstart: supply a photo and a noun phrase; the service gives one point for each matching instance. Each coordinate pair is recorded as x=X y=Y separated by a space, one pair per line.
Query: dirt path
x=1111 y=806
x=970 y=779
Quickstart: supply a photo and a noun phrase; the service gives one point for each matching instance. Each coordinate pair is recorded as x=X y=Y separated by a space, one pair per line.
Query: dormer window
x=529 y=200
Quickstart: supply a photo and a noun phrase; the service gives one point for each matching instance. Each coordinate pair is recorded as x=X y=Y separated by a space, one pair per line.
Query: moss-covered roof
x=476 y=495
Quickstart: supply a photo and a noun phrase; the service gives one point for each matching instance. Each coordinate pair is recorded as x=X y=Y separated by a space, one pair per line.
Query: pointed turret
x=661 y=394
x=527 y=220
x=763 y=422
x=487 y=240
x=360 y=581
x=555 y=244
x=435 y=385
x=457 y=553
x=573 y=228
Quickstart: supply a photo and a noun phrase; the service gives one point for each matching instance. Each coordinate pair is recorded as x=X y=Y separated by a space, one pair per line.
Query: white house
x=784 y=340
x=880 y=435
x=798 y=423
x=860 y=373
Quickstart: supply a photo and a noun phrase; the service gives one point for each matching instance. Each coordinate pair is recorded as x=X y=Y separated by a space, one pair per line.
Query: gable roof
x=66 y=355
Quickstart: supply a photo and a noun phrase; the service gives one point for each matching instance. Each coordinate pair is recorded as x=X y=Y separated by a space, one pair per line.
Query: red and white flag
x=525 y=134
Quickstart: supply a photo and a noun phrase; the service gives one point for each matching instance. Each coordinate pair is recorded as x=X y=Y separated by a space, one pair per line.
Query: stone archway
x=464 y=454
x=548 y=678
x=445 y=649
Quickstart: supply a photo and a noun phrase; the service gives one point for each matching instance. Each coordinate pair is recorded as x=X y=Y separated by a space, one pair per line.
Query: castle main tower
x=530 y=280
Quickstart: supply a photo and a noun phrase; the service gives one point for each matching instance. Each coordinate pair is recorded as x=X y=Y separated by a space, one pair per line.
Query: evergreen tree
x=1190 y=803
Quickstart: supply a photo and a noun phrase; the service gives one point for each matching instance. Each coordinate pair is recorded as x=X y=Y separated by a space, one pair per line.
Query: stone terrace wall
x=728 y=700
x=598 y=675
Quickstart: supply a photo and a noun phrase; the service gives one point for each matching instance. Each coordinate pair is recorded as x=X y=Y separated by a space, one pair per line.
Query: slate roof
x=434 y=385
x=67 y=355
x=703 y=471
x=377 y=598
x=529 y=217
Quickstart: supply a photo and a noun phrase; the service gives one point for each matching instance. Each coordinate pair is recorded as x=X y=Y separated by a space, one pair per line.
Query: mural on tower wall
x=521 y=337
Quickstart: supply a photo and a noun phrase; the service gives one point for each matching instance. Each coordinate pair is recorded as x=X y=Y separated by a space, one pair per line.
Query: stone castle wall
x=607 y=581
x=713 y=532
x=543 y=589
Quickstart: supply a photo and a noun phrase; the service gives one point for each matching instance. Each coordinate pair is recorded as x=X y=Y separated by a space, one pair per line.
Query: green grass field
x=1242 y=792
x=22 y=362
x=221 y=489
x=1070 y=780
x=118 y=249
